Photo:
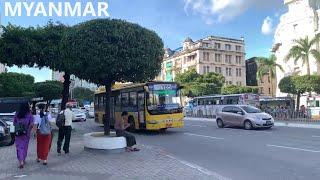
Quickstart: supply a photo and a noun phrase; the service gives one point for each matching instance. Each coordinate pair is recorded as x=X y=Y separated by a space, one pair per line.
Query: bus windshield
x=164 y=101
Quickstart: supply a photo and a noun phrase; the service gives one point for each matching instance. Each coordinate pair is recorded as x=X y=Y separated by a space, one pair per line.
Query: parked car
x=79 y=115
x=91 y=112
x=8 y=119
x=5 y=137
x=244 y=116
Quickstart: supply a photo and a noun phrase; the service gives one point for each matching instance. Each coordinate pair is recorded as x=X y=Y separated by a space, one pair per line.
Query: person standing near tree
x=65 y=130
x=23 y=122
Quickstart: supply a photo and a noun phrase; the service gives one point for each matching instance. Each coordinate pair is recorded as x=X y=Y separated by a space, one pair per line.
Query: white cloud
x=225 y=10
x=267 y=26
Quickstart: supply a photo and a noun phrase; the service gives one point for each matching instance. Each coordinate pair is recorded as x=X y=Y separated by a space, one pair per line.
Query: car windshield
x=6 y=117
x=250 y=109
x=77 y=111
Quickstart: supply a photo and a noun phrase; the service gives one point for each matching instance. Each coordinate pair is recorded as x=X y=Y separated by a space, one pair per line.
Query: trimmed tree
x=48 y=90
x=16 y=85
x=233 y=89
x=114 y=50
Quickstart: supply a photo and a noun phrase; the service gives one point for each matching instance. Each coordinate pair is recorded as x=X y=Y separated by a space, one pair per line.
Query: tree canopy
x=83 y=94
x=16 y=85
x=49 y=90
x=233 y=89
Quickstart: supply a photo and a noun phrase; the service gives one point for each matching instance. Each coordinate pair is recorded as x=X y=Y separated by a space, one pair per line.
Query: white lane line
x=199 y=135
x=293 y=148
x=19 y=176
x=200 y=169
x=316 y=136
x=192 y=125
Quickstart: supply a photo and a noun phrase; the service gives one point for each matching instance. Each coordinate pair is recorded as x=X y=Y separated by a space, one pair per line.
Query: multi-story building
x=211 y=54
x=301 y=20
x=75 y=82
x=265 y=85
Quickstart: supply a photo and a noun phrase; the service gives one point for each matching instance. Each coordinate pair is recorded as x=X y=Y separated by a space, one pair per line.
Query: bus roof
x=229 y=95
x=121 y=86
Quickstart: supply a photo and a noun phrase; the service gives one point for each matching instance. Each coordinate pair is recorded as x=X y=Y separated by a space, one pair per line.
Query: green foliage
x=49 y=90
x=114 y=50
x=233 y=89
x=300 y=84
x=16 y=85
x=267 y=66
x=198 y=85
x=83 y=94
x=287 y=85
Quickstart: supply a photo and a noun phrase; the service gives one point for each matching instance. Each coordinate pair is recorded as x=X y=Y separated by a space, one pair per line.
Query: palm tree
x=268 y=66
x=302 y=51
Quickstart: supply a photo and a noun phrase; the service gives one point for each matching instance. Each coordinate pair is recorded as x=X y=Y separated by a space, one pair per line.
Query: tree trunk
x=271 y=83
x=298 y=103
x=65 y=91
x=308 y=71
x=108 y=85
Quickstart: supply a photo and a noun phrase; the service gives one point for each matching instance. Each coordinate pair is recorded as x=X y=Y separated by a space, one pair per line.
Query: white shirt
x=69 y=116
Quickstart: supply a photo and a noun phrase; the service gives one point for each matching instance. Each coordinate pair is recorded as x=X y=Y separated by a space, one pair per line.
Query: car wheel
x=85 y=120
x=220 y=123
x=247 y=125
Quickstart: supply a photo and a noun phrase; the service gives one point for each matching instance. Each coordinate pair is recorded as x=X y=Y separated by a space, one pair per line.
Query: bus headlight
x=153 y=122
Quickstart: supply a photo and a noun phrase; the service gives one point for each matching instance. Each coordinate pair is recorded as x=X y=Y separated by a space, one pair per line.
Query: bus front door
x=141 y=110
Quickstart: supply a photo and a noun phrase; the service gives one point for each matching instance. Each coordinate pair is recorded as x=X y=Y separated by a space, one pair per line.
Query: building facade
x=211 y=54
x=265 y=85
x=301 y=20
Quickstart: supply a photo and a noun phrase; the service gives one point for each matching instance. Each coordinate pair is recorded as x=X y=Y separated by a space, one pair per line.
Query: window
x=206 y=69
x=239 y=83
x=206 y=56
x=269 y=90
x=133 y=99
x=228 y=47
x=227 y=109
x=238 y=48
x=238 y=59
x=218 y=70
x=228 y=71
x=217 y=45
x=217 y=57
x=125 y=99
x=228 y=59
x=238 y=72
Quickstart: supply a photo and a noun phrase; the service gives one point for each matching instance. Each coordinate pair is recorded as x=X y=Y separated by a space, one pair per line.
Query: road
x=278 y=153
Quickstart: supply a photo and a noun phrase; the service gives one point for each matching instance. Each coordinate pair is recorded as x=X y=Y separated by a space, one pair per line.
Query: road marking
x=199 y=135
x=316 y=136
x=192 y=125
x=200 y=169
x=293 y=148
x=19 y=176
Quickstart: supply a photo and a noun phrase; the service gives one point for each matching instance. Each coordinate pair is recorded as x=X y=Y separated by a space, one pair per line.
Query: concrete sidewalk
x=149 y=163
x=312 y=125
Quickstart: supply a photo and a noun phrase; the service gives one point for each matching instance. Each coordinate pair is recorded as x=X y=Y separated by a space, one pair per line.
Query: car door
x=226 y=115
x=237 y=116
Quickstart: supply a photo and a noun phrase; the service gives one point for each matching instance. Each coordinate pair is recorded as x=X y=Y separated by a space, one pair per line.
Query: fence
x=277 y=114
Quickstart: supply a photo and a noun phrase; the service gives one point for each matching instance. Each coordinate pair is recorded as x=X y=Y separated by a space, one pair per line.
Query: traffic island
x=97 y=141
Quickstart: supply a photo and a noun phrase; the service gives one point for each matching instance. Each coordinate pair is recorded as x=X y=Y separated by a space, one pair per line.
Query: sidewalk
x=150 y=163
x=312 y=125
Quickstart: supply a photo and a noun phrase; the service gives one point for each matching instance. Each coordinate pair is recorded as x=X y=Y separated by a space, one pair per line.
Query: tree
x=189 y=76
x=268 y=66
x=38 y=47
x=48 y=90
x=16 y=85
x=82 y=94
x=302 y=51
x=114 y=50
x=233 y=89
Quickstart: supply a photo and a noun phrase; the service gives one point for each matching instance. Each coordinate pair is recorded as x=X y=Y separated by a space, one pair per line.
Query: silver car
x=244 y=116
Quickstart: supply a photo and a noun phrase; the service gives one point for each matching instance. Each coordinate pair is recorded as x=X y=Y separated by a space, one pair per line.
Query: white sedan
x=79 y=115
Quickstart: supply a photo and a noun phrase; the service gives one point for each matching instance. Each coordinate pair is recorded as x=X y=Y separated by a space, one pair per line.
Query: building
x=265 y=85
x=211 y=54
x=301 y=20
x=75 y=82
x=2 y=68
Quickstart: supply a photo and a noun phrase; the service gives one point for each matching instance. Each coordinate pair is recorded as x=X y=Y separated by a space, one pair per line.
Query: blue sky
x=174 y=20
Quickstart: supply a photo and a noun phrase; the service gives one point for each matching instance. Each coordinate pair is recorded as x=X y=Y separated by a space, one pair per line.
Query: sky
x=175 y=20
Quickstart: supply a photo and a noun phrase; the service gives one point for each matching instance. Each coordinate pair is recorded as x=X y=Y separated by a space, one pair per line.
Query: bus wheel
x=163 y=130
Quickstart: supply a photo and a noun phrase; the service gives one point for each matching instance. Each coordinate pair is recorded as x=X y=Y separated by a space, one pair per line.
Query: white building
x=301 y=20
x=210 y=54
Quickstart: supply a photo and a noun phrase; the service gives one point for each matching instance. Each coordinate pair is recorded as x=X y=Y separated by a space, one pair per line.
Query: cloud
x=267 y=26
x=225 y=10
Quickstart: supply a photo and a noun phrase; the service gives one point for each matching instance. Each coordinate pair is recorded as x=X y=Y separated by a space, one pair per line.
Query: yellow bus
x=151 y=106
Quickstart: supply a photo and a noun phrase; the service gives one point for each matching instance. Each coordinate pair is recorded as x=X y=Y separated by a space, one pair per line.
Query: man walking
x=65 y=130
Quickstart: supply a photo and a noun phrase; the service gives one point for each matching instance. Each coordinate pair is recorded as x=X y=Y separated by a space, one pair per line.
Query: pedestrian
x=121 y=125
x=65 y=130
x=23 y=122
x=42 y=125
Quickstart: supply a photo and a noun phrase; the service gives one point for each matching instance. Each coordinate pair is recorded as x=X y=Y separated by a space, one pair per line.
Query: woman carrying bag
x=43 y=123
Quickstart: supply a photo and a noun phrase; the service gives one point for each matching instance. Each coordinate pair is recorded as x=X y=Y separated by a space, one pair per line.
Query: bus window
x=201 y=102
x=133 y=99
x=317 y=103
x=118 y=101
x=125 y=99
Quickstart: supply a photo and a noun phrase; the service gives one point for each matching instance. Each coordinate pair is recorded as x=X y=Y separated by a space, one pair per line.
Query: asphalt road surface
x=280 y=153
